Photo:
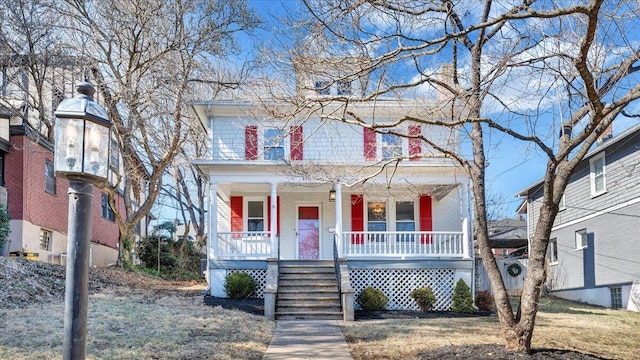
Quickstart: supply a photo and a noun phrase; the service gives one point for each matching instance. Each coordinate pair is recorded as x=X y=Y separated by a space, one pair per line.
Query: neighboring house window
x=616 y=297
x=323 y=87
x=45 y=239
x=273 y=144
x=553 y=251
x=376 y=216
x=1 y=169
x=255 y=215
x=107 y=211
x=561 y=204
x=50 y=178
x=505 y=252
x=391 y=146
x=581 y=239
x=343 y=87
x=598 y=175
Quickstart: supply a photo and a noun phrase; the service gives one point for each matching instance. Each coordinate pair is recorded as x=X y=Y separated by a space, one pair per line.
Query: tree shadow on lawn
x=252 y=305
x=497 y=352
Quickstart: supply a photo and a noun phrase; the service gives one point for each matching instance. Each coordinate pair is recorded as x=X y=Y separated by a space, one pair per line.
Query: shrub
x=371 y=299
x=484 y=300
x=462 y=299
x=239 y=285
x=424 y=297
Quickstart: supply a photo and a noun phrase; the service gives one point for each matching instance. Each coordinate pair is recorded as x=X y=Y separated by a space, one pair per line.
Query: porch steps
x=307 y=290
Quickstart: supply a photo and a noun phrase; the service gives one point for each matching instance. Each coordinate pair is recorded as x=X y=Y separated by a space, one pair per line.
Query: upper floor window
x=343 y=87
x=598 y=175
x=273 y=144
x=561 y=204
x=49 y=177
x=323 y=87
x=553 y=251
x=391 y=146
x=107 y=211
x=581 y=239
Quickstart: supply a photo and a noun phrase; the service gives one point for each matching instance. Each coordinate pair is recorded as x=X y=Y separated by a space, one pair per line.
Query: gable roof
x=595 y=151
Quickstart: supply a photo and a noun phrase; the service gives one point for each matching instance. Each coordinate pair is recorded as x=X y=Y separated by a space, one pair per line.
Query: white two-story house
x=314 y=192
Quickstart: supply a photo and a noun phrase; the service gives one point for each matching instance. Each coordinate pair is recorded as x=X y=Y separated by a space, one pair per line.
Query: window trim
x=583 y=235
x=592 y=174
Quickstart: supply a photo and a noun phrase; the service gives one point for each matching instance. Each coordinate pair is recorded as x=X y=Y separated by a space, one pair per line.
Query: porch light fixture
x=332 y=194
x=82 y=135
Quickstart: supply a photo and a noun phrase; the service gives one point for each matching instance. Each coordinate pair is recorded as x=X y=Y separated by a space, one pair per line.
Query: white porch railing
x=404 y=244
x=250 y=244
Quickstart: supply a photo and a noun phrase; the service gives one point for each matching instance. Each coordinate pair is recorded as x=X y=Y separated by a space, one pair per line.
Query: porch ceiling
x=436 y=191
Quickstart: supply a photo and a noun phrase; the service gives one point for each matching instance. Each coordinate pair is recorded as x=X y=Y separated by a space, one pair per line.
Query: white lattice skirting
x=259 y=275
x=397 y=284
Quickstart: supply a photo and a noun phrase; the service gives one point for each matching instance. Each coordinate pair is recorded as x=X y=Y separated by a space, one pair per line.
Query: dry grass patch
x=560 y=325
x=143 y=325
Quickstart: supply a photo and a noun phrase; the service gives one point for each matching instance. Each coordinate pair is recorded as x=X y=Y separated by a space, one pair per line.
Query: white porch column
x=274 y=220
x=338 y=231
x=466 y=221
x=212 y=239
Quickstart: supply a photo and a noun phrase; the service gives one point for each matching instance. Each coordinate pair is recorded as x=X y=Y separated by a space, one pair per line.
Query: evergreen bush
x=371 y=299
x=239 y=285
x=424 y=297
x=462 y=299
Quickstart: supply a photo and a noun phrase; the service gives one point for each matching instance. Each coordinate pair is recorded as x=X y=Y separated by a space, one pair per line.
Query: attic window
x=343 y=87
x=322 y=87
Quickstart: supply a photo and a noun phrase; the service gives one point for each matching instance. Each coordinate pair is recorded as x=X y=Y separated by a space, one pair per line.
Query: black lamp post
x=82 y=135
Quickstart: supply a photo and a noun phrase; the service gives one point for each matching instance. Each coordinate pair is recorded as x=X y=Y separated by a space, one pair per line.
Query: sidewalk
x=307 y=339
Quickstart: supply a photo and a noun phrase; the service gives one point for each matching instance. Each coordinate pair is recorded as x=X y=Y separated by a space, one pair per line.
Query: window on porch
x=255 y=216
x=376 y=216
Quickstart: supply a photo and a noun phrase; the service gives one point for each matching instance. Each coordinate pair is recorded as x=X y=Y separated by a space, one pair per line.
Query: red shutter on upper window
x=297 y=139
x=426 y=218
x=357 y=218
x=251 y=142
x=277 y=214
x=236 y=213
x=369 y=144
x=415 y=144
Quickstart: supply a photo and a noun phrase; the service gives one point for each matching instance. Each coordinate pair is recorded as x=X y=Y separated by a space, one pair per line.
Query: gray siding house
x=595 y=241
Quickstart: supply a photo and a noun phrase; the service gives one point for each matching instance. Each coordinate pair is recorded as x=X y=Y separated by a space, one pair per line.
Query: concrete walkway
x=307 y=339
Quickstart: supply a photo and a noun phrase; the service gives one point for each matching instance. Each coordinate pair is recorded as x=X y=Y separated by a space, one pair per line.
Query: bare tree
x=496 y=68
x=150 y=58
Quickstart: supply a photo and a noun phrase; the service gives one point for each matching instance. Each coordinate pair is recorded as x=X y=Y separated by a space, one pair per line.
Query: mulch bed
x=470 y=352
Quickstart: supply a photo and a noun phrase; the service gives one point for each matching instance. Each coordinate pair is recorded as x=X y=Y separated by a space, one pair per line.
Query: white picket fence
x=514 y=284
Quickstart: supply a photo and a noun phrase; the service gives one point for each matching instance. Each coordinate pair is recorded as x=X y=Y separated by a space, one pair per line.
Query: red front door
x=308 y=232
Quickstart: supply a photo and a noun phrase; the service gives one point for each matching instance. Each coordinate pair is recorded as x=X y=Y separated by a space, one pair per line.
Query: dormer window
x=343 y=88
x=323 y=87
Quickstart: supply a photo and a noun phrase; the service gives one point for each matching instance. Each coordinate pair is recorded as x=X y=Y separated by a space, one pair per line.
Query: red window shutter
x=277 y=214
x=297 y=139
x=357 y=218
x=237 y=223
x=426 y=218
x=369 y=144
x=415 y=144
x=251 y=142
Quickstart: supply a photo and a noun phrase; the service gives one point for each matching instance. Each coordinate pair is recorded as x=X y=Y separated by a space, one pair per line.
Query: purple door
x=308 y=233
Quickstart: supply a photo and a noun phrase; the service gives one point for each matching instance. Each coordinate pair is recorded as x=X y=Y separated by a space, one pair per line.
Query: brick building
x=38 y=202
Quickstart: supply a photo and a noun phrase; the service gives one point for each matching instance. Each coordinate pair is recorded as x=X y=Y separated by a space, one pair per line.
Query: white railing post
x=466 y=254
x=274 y=220
x=338 y=230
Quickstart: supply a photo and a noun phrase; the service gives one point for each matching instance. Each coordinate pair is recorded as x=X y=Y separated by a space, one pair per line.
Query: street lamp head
x=82 y=135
